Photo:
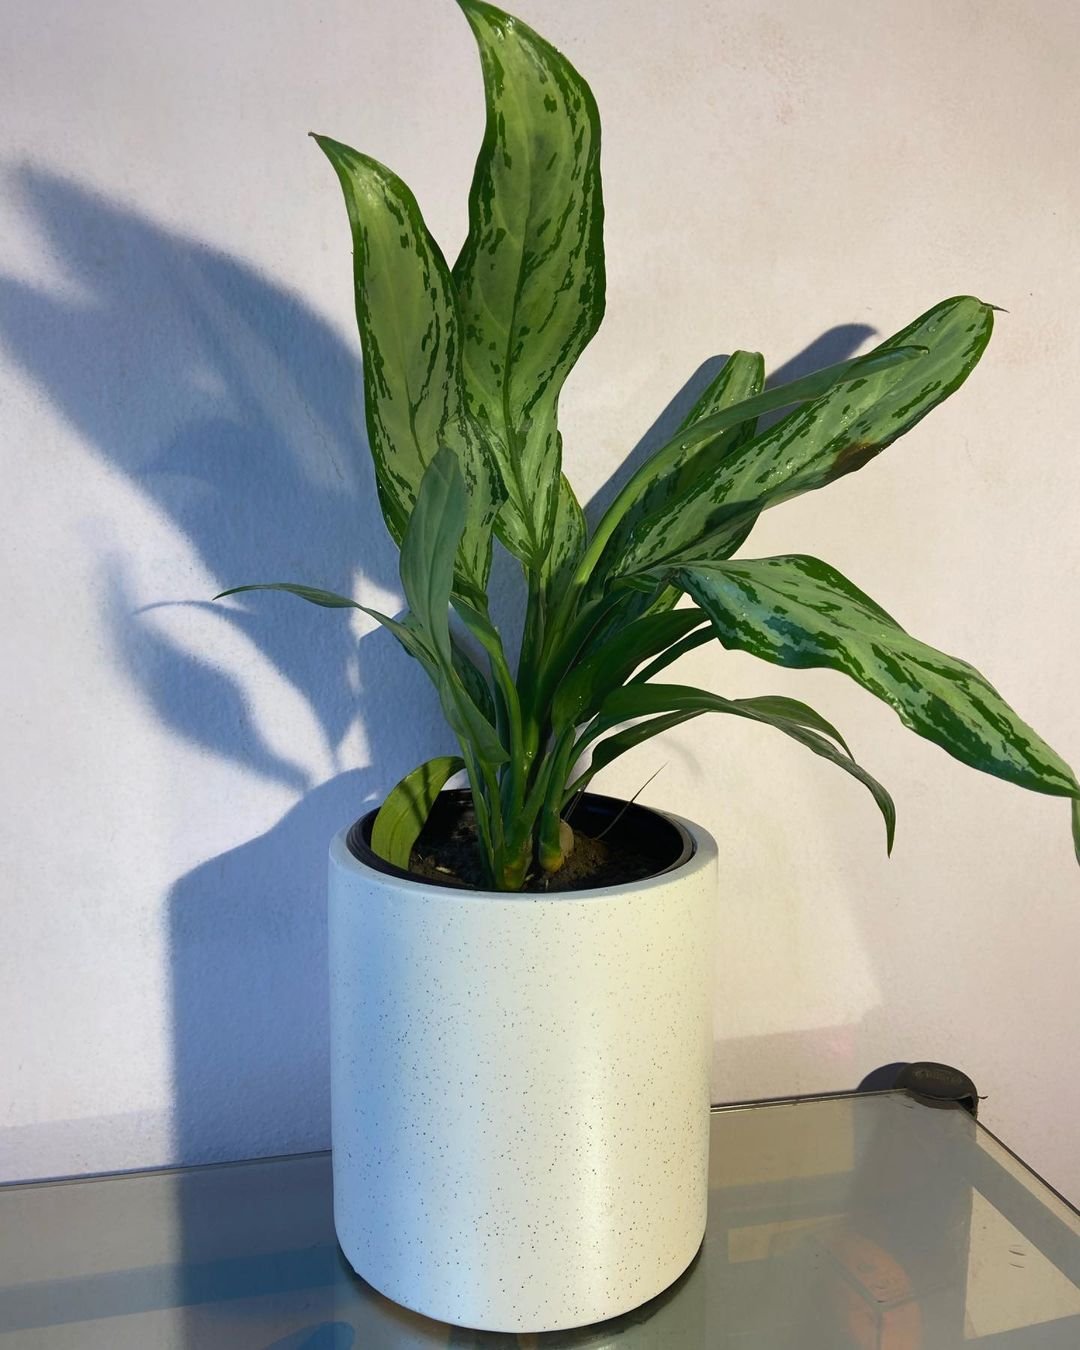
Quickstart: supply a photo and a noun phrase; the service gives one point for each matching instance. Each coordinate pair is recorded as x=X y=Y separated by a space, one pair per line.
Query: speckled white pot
x=520 y=1091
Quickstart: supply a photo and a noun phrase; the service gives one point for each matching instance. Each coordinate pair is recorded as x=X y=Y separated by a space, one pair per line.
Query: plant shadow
x=235 y=411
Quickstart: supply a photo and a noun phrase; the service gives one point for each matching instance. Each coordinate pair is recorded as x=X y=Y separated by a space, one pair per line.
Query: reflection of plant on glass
x=462 y=373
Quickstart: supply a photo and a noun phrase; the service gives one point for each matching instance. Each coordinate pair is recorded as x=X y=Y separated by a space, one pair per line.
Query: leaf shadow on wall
x=235 y=411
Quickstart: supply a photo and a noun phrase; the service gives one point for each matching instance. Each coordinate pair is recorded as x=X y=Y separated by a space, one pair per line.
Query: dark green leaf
x=792 y=710
x=641 y=700
x=530 y=278
x=611 y=747
x=427 y=574
x=429 y=547
x=476 y=685
x=817 y=443
x=410 y=332
x=402 y=629
x=798 y=611
x=403 y=815
x=609 y=665
x=328 y=599
x=469 y=723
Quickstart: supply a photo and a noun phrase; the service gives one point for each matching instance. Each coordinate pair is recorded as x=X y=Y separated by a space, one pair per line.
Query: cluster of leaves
x=463 y=368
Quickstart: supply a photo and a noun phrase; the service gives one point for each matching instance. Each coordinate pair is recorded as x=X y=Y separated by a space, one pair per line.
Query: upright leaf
x=568 y=539
x=404 y=813
x=427 y=575
x=429 y=547
x=799 y=611
x=410 y=332
x=740 y=378
x=820 y=441
x=611 y=664
x=530 y=278
x=706 y=435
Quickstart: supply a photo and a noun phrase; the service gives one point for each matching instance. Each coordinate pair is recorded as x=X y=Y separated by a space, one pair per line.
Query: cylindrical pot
x=520 y=1082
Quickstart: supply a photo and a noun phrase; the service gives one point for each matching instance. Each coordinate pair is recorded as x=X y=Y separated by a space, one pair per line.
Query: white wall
x=181 y=414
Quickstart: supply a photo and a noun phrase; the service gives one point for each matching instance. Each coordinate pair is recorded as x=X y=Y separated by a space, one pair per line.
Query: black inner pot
x=632 y=826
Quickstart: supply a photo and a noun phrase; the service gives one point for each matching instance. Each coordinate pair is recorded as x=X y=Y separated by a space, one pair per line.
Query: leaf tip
x=1076 y=826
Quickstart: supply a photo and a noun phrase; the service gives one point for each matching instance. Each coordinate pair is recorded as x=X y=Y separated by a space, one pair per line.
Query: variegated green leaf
x=740 y=378
x=821 y=441
x=642 y=700
x=798 y=611
x=410 y=333
x=404 y=813
x=530 y=278
x=705 y=435
x=568 y=540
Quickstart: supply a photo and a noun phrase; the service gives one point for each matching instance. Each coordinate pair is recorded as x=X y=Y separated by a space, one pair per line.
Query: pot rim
x=698 y=851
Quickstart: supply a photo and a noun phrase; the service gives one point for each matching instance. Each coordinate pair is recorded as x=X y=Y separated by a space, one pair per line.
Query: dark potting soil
x=455 y=858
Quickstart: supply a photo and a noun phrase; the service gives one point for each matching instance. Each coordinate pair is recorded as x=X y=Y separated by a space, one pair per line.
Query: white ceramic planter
x=520 y=1091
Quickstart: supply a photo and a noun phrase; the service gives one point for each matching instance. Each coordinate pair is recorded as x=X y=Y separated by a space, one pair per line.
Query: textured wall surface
x=181 y=413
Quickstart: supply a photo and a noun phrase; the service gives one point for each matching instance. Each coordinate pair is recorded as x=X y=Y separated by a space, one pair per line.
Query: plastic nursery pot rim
x=642 y=827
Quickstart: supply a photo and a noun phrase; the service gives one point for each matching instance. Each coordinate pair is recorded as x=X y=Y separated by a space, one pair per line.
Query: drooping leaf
x=530 y=278
x=611 y=747
x=609 y=665
x=799 y=611
x=328 y=599
x=794 y=710
x=405 y=633
x=643 y=700
x=405 y=811
x=819 y=442
x=410 y=332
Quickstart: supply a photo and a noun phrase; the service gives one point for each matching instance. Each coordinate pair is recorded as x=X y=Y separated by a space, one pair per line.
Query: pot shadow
x=235 y=410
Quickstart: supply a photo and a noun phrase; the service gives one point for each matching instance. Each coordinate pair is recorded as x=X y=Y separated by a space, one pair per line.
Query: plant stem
x=550 y=844
x=480 y=810
x=529 y=666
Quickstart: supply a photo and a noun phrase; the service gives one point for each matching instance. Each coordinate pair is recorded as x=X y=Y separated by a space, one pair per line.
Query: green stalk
x=480 y=807
x=550 y=848
x=564 y=645
x=529 y=666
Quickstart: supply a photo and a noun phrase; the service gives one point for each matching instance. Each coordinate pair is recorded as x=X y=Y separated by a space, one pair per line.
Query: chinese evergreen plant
x=463 y=368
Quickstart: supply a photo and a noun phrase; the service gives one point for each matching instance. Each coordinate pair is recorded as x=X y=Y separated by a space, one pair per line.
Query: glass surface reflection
x=848 y=1223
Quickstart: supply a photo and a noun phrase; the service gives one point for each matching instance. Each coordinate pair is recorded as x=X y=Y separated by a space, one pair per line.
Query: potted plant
x=520 y=971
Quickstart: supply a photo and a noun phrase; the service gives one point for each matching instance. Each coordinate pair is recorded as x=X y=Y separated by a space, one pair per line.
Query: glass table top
x=866 y=1222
